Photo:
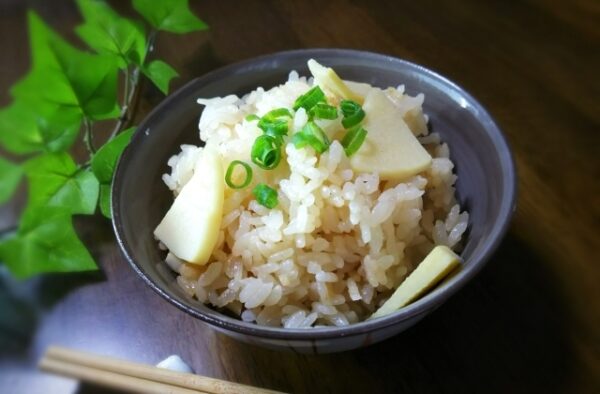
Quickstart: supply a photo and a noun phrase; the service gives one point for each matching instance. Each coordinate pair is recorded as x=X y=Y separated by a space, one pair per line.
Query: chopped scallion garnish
x=354 y=119
x=353 y=140
x=229 y=174
x=265 y=195
x=349 y=107
x=311 y=135
x=278 y=113
x=323 y=111
x=310 y=99
x=252 y=117
x=353 y=113
x=266 y=152
x=277 y=127
x=275 y=123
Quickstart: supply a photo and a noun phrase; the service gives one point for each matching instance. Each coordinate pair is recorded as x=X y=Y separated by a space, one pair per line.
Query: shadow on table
x=504 y=332
x=204 y=60
x=22 y=304
x=85 y=388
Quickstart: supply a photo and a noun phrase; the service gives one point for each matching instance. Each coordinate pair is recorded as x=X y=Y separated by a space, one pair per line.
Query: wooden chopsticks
x=134 y=377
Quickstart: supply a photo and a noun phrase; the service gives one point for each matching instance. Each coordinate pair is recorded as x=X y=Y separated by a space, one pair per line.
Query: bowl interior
x=485 y=171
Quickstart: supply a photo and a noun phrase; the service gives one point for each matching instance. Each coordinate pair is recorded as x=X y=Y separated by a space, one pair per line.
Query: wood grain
x=530 y=322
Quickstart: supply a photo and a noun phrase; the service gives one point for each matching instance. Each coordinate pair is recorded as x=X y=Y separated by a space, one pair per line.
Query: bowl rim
x=422 y=305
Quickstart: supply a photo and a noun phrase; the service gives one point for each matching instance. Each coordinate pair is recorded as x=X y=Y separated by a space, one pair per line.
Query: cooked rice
x=338 y=243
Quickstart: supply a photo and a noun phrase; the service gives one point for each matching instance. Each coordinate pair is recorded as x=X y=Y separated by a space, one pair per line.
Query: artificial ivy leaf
x=160 y=73
x=39 y=36
x=105 y=197
x=10 y=176
x=107 y=32
x=105 y=160
x=42 y=88
x=53 y=129
x=104 y=163
x=56 y=181
x=66 y=77
x=19 y=131
x=169 y=15
x=93 y=79
x=60 y=129
x=45 y=242
x=45 y=83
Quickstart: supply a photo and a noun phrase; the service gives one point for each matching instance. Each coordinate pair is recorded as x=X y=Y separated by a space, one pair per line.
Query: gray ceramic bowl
x=486 y=184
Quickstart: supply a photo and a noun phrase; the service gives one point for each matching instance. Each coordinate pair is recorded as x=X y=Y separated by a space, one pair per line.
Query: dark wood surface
x=530 y=322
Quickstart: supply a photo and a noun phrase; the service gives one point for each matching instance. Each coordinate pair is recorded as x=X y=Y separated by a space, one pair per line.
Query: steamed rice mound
x=338 y=243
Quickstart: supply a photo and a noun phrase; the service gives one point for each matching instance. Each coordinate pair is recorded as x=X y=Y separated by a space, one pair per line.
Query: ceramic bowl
x=485 y=186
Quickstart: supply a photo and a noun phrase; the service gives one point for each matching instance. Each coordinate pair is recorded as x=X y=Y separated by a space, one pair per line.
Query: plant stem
x=127 y=86
x=125 y=108
x=150 y=42
x=132 y=78
x=88 y=138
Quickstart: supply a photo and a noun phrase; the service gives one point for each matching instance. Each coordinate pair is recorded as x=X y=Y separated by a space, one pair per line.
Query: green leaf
x=45 y=242
x=19 y=131
x=107 y=32
x=105 y=197
x=52 y=129
x=169 y=15
x=160 y=73
x=55 y=181
x=93 y=79
x=105 y=160
x=10 y=177
x=104 y=163
x=44 y=88
x=60 y=129
x=66 y=77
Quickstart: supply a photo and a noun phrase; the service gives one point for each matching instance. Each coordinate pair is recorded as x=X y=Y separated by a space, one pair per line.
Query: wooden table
x=530 y=322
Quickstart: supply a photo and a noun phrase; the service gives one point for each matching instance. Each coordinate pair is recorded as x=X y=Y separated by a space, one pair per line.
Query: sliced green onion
x=311 y=135
x=275 y=123
x=266 y=152
x=265 y=196
x=349 y=107
x=353 y=113
x=278 y=113
x=277 y=127
x=229 y=174
x=252 y=117
x=323 y=111
x=354 y=139
x=310 y=99
x=354 y=119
